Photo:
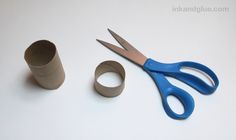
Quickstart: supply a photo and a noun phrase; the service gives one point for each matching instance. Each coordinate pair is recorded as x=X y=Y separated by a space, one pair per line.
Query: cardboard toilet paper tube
x=44 y=62
x=109 y=66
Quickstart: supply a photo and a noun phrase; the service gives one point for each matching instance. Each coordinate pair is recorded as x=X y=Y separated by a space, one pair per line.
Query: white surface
x=75 y=111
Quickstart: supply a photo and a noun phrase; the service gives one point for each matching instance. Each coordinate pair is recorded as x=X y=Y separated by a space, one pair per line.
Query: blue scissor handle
x=173 y=70
x=166 y=89
x=158 y=71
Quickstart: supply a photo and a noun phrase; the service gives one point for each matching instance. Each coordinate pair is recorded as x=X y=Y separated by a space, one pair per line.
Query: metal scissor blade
x=114 y=48
x=125 y=44
x=133 y=56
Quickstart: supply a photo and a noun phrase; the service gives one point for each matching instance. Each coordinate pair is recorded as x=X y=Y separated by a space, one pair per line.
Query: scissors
x=158 y=71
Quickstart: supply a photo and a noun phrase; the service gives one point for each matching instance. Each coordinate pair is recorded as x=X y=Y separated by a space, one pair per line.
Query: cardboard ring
x=109 y=66
x=44 y=62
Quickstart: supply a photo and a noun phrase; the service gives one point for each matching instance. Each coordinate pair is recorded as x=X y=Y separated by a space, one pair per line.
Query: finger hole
x=200 y=74
x=175 y=105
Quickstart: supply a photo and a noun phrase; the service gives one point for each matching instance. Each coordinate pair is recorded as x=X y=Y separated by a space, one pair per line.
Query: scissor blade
x=114 y=48
x=123 y=42
x=133 y=56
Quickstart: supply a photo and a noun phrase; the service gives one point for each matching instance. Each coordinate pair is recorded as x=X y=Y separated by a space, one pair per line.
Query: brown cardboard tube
x=109 y=66
x=44 y=62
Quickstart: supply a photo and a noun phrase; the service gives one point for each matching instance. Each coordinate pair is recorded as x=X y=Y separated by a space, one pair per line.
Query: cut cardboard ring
x=109 y=66
x=44 y=62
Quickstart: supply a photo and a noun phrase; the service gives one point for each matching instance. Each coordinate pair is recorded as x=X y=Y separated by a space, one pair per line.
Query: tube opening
x=40 y=53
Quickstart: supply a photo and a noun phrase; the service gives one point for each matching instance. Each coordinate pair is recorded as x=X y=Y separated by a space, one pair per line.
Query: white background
x=75 y=111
